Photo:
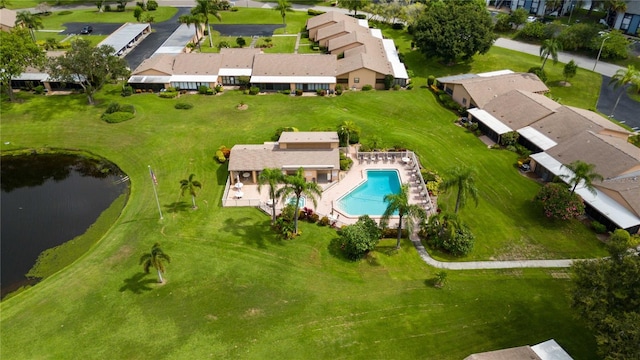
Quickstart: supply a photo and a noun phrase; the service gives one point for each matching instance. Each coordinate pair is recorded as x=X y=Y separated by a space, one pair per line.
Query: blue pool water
x=301 y=203
x=368 y=197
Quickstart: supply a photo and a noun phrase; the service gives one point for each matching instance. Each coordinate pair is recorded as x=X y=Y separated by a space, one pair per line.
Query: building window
x=464 y=101
x=356 y=80
x=626 y=20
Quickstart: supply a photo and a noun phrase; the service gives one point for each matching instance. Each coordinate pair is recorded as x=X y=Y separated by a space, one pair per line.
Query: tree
x=90 y=67
x=550 y=47
x=582 y=172
x=206 y=8
x=197 y=20
x=400 y=203
x=606 y=294
x=569 y=70
x=455 y=29
x=298 y=186
x=518 y=17
x=17 y=52
x=623 y=78
x=283 y=6
x=463 y=180
x=445 y=231
x=354 y=5
x=272 y=177
x=99 y=4
x=32 y=21
x=348 y=130
x=559 y=203
x=241 y=41
x=189 y=185
x=360 y=238
x=156 y=260
x=4 y=3
x=137 y=13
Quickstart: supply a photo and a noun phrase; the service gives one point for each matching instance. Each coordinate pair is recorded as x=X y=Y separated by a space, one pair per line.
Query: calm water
x=368 y=197
x=46 y=201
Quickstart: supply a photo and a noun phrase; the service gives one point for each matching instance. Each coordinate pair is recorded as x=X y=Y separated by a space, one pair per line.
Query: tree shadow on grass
x=137 y=284
x=335 y=249
x=252 y=232
x=178 y=206
x=389 y=250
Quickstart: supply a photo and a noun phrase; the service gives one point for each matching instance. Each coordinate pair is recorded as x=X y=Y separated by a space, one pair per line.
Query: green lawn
x=236 y=291
x=56 y=19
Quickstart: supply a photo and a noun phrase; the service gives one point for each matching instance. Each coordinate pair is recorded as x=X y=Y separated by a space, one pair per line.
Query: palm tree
x=582 y=172
x=400 y=203
x=272 y=177
x=550 y=47
x=197 y=21
x=623 y=78
x=283 y=6
x=206 y=8
x=615 y=6
x=345 y=129
x=463 y=180
x=31 y=21
x=298 y=186
x=189 y=185
x=155 y=259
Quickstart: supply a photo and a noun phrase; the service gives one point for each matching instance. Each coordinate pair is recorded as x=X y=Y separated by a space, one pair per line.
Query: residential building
x=548 y=350
x=7 y=19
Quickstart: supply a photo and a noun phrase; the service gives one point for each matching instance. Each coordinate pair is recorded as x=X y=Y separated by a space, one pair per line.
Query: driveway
x=98 y=28
x=246 y=30
x=160 y=32
x=627 y=109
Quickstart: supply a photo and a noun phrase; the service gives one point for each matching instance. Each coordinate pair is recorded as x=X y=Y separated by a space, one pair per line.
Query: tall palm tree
x=189 y=185
x=550 y=47
x=155 y=259
x=206 y=8
x=623 y=78
x=273 y=177
x=615 y=6
x=32 y=21
x=582 y=172
x=345 y=129
x=197 y=20
x=400 y=203
x=298 y=186
x=283 y=6
x=462 y=179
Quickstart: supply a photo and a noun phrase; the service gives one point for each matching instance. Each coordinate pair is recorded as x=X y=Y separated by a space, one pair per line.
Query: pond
x=46 y=201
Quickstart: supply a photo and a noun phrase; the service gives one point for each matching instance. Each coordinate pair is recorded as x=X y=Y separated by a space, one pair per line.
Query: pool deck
x=326 y=205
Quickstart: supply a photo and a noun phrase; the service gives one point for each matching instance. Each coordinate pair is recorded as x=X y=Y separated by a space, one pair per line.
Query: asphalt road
x=160 y=32
x=98 y=28
x=246 y=30
x=627 y=111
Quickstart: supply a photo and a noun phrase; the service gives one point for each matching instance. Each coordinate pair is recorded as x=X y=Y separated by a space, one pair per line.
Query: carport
x=126 y=37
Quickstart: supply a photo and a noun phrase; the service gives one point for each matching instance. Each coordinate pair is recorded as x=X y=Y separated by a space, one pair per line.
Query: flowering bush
x=559 y=203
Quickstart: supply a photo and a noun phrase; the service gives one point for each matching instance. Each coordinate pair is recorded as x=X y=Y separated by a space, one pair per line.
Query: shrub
x=509 y=139
x=533 y=31
x=360 y=238
x=220 y=156
x=202 y=89
x=559 y=203
x=286 y=92
x=223 y=44
x=314 y=12
x=446 y=232
x=210 y=92
x=539 y=73
x=107 y=8
x=127 y=91
x=598 y=227
x=396 y=87
x=127 y=108
x=321 y=92
x=298 y=92
x=67 y=12
x=345 y=164
x=219 y=88
x=117 y=117
x=254 y=90
x=324 y=221
x=168 y=94
x=152 y=5
x=183 y=106
x=280 y=130
x=397 y=26
x=225 y=151
x=39 y=90
x=388 y=81
x=367 y=87
x=361 y=16
x=313 y=218
x=112 y=107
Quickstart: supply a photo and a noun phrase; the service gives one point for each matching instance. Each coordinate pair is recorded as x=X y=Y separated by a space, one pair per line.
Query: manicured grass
x=66 y=39
x=236 y=291
x=281 y=45
x=56 y=19
x=295 y=21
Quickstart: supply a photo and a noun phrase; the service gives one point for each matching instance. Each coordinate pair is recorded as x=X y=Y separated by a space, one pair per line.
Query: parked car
x=87 y=30
x=531 y=19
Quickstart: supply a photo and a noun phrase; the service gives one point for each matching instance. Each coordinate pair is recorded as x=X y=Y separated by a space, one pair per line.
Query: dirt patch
x=253 y=312
x=242 y=107
x=521 y=249
x=564 y=83
x=124 y=252
x=559 y=274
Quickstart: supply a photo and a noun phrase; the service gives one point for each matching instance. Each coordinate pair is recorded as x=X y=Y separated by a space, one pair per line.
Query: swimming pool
x=301 y=203
x=368 y=197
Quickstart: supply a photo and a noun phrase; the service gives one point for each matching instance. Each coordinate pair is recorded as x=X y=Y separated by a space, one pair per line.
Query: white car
x=531 y=19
